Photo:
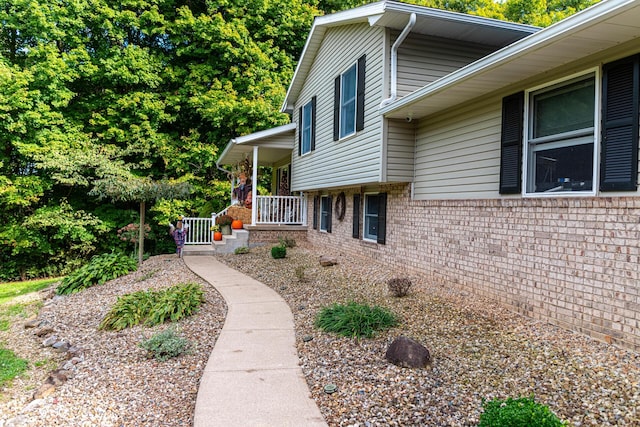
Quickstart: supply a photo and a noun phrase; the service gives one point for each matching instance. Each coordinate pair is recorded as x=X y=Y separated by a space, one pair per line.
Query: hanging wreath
x=340 y=206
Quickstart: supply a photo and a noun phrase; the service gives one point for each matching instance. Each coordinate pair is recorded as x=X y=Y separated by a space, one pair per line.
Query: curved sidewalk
x=252 y=377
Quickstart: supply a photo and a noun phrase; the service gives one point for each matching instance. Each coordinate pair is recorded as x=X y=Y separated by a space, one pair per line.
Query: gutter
x=394 y=61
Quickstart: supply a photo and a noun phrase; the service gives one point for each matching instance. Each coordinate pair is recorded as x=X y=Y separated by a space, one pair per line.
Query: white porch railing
x=199 y=232
x=281 y=210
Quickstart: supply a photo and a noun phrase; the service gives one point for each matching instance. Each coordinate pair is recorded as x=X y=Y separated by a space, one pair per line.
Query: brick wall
x=574 y=262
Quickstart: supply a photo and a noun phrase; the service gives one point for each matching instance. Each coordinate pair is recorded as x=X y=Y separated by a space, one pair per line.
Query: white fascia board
x=573 y=24
x=264 y=134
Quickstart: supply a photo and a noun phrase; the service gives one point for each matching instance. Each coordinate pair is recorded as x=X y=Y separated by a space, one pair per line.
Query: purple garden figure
x=179 y=233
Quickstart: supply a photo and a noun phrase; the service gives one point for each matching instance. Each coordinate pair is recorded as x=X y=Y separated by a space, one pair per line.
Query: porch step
x=229 y=243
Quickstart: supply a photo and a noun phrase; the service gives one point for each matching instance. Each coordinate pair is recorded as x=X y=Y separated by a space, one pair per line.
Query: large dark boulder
x=407 y=353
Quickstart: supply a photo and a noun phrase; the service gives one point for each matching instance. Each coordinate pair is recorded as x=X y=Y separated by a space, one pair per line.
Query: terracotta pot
x=217 y=235
x=236 y=224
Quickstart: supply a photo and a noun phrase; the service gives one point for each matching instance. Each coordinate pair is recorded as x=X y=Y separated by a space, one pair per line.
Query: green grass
x=355 y=320
x=10 y=365
x=10 y=290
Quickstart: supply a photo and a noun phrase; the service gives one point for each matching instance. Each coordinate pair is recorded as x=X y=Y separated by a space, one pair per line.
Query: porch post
x=254 y=184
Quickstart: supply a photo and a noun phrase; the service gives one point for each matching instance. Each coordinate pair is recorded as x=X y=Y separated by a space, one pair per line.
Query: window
x=560 y=149
x=348 y=102
x=561 y=137
x=348 y=113
x=307 y=134
x=375 y=214
x=325 y=213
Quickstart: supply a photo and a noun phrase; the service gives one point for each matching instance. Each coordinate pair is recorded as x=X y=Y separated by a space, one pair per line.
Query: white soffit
x=598 y=28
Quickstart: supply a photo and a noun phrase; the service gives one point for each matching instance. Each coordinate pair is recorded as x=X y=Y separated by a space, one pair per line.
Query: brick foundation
x=574 y=262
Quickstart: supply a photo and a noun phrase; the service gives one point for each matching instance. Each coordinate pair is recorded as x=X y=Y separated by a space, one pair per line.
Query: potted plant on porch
x=217 y=234
x=224 y=221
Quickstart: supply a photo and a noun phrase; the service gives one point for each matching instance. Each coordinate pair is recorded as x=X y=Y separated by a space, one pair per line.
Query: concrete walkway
x=252 y=377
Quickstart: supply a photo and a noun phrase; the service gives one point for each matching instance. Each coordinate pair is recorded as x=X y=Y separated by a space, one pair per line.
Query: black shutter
x=360 y=93
x=356 y=217
x=313 y=123
x=301 y=124
x=316 y=202
x=511 y=144
x=329 y=211
x=619 y=164
x=382 y=218
x=336 y=109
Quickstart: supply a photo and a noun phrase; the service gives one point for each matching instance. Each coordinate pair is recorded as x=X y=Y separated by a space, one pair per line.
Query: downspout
x=394 y=60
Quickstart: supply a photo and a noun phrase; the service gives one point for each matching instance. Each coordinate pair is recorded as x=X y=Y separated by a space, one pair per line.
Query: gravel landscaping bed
x=479 y=351
x=113 y=382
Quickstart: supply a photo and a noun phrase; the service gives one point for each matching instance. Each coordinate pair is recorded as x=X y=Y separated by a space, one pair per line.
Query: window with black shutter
x=349 y=97
x=511 y=144
x=619 y=158
x=355 y=233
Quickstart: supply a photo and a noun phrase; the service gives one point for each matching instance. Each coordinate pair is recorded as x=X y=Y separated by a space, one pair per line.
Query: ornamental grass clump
x=154 y=307
x=521 y=412
x=99 y=270
x=165 y=345
x=355 y=320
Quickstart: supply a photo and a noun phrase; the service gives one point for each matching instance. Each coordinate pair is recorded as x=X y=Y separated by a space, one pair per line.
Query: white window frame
x=563 y=140
x=352 y=100
x=306 y=128
x=324 y=214
x=365 y=215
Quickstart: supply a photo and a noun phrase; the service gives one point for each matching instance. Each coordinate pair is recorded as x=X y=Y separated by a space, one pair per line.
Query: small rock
x=407 y=353
x=50 y=341
x=43 y=331
x=34 y=405
x=44 y=390
x=61 y=346
x=328 y=261
x=58 y=377
x=32 y=323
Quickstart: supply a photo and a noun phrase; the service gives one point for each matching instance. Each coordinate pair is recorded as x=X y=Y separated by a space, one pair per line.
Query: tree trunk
x=141 y=234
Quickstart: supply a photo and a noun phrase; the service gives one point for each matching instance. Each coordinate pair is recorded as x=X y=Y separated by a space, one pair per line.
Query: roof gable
x=395 y=15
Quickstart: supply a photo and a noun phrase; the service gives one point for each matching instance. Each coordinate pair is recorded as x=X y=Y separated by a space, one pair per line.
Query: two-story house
x=490 y=156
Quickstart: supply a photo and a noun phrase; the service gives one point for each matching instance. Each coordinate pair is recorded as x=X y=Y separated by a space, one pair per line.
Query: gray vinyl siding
x=355 y=160
x=458 y=155
x=424 y=59
x=401 y=138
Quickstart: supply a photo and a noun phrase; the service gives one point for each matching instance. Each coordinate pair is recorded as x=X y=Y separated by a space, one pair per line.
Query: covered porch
x=272 y=148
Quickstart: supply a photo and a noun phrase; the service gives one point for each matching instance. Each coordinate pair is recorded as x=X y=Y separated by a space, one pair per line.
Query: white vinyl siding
x=356 y=159
x=458 y=155
x=423 y=59
x=401 y=146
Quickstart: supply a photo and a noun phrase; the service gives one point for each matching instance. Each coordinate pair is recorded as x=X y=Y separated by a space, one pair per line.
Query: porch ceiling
x=273 y=144
x=604 y=26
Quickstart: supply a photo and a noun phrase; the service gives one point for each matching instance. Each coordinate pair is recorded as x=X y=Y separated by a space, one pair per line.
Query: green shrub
x=175 y=303
x=129 y=310
x=154 y=307
x=278 y=252
x=100 y=269
x=10 y=365
x=241 y=250
x=165 y=345
x=521 y=412
x=355 y=320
